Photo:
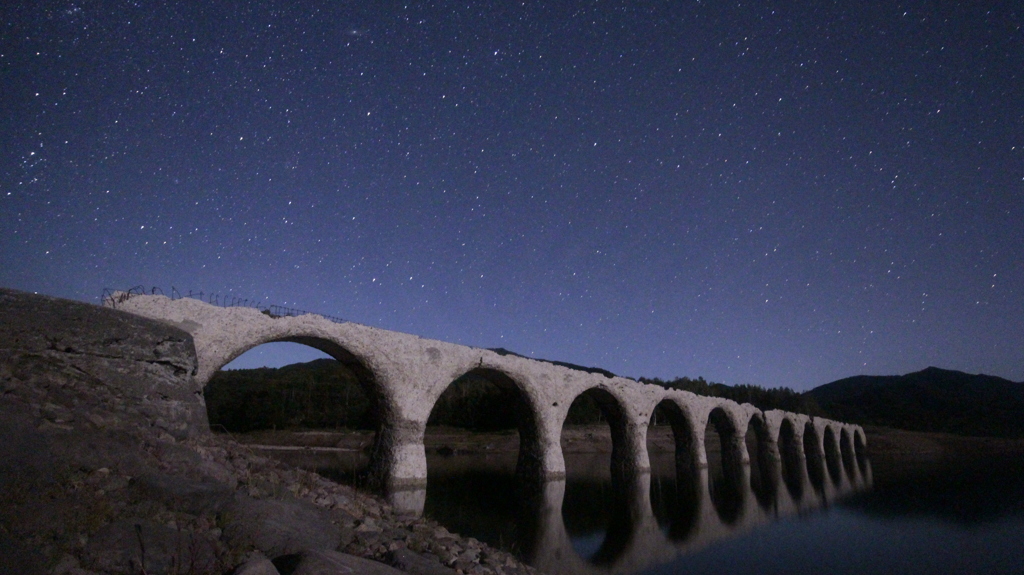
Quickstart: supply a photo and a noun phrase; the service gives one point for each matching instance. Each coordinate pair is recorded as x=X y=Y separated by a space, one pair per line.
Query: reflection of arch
x=792 y=459
x=548 y=546
x=832 y=455
x=813 y=457
x=846 y=451
x=621 y=526
x=515 y=397
x=726 y=478
x=762 y=460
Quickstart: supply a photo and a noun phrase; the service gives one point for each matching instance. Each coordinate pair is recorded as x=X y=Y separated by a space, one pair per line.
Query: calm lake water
x=916 y=518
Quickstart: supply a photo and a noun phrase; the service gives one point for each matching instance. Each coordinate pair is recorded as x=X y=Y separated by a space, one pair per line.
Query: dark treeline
x=324 y=394
x=762 y=398
x=321 y=394
x=474 y=402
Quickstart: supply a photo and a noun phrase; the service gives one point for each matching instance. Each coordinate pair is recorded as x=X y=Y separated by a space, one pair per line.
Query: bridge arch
x=380 y=396
x=625 y=452
x=356 y=362
x=684 y=432
x=514 y=393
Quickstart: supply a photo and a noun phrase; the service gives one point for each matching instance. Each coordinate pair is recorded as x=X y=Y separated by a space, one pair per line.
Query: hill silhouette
x=932 y=399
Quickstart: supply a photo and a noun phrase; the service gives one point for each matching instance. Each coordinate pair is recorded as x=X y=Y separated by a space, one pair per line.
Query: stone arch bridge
x=406 y=374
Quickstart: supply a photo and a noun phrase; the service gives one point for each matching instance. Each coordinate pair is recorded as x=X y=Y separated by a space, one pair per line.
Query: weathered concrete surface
x=107 y=464
x=406 y=374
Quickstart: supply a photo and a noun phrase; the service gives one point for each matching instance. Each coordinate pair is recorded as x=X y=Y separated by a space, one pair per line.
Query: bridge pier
x=398 y=461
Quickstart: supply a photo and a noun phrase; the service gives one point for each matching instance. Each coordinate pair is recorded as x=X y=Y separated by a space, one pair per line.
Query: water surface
x=949 y=518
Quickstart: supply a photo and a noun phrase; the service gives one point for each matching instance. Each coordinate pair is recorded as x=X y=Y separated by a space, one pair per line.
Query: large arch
x=381 y=408
x=614 y=411
x=359 y=365
x=307 y=389
x=524 y=414
x=687 y=456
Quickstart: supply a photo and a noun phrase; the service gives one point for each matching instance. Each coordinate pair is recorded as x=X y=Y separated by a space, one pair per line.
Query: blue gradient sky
x=773 y=193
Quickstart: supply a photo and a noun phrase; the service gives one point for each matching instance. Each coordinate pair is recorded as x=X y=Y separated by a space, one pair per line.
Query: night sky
x=776 y=193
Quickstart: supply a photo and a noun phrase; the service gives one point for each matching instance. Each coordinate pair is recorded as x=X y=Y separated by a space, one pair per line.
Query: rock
x=318 y=562
x=128 y=548
x=470 y=556
x=417 y=564
x=368 y=525
x=24 y=455
x=278 y=527
x=64 y=565
x=181 y=494
x=17 y=560
x=148 y=363
x=257 y=566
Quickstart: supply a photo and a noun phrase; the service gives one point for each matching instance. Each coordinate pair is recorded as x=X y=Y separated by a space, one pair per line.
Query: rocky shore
x=106 y=467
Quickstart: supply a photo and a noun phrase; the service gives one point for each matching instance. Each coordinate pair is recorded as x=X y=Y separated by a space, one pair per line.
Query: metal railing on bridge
x=112 y=298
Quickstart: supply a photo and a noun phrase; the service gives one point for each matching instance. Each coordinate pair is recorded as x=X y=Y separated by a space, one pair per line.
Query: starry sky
x=775 y=193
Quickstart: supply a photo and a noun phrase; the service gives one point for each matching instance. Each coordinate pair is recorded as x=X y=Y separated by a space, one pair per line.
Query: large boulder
x=324 y=562
x=182 y=494
x=278 y=527
x=117 y=365
x=131 y=547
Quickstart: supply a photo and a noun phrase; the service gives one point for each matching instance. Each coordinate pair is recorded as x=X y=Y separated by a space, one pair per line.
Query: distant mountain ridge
x=932 y=399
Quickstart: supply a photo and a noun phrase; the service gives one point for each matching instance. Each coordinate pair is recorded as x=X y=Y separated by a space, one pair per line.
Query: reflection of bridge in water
x=686 y=511
x=636 y=540
x=816 y=459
